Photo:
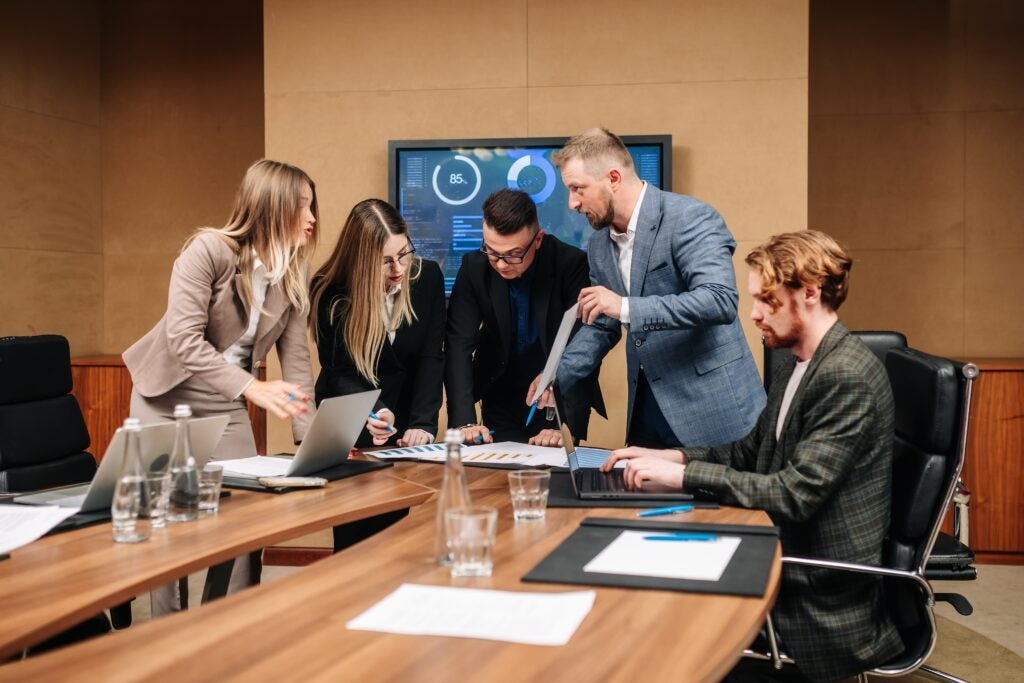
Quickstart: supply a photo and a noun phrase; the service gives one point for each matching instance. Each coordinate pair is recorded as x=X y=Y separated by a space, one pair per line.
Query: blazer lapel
x=273 y=308
x=604 y=258
x=647 y=225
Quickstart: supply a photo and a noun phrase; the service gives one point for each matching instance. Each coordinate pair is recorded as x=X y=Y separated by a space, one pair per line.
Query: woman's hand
x=381 y=429
x=283 y=399
x=476 y=434
x=415 y=437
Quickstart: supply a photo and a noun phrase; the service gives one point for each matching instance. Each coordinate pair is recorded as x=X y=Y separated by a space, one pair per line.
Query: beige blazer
x=205 y=315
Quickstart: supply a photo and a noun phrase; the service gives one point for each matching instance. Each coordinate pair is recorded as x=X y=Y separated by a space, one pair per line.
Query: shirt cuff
x=624 y=311
x=242 y=391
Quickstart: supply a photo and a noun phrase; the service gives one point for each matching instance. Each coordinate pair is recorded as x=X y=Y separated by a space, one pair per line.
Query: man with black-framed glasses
x=503 y=314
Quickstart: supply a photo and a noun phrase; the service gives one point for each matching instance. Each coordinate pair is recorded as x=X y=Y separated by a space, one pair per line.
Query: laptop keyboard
x=607 y=481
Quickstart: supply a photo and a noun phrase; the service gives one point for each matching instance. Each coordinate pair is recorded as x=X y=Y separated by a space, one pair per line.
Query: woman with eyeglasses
x=378 y=313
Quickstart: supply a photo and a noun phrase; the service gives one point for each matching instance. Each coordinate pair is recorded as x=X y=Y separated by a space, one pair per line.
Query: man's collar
x=634 y=218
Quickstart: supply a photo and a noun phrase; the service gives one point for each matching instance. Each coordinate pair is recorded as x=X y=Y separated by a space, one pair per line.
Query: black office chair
x=43 y=441
x=879 y=341
x=932 y=400
x=43 y=438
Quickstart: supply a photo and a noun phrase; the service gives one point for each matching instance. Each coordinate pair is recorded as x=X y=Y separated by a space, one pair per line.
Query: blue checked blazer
x=826 y=482
x=684 y=329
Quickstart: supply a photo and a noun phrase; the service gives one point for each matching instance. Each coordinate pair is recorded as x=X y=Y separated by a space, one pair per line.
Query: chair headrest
x=927 y=391
x=34 y=368
x=880 y=341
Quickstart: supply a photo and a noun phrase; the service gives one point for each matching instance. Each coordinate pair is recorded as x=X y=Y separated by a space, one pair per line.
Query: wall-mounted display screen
x=439 y=187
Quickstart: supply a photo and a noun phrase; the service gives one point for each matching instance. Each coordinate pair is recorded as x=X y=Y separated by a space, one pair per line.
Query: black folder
x=349 y=468
x=746 y=574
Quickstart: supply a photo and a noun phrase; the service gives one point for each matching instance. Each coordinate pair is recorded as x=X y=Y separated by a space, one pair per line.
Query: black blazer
x=410 y=369
x=479 y=333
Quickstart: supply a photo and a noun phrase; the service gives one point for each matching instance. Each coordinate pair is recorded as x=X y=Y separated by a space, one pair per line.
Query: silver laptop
x=590 y=483
x=156 y=441
x=335 y=428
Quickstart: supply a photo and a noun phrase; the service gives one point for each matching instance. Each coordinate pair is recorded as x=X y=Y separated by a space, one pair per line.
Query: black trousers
x=504 y=411
x=649 y=428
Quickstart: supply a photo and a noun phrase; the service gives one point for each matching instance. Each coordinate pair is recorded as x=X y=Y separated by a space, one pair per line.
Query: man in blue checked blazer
x=660 y=265
x=818 y=461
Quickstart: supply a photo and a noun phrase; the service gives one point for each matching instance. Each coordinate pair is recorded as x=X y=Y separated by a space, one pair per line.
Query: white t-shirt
x=787 y=398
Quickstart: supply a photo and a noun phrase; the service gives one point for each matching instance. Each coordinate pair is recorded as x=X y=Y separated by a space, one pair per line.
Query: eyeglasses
x=511 y=259
x=403 y=258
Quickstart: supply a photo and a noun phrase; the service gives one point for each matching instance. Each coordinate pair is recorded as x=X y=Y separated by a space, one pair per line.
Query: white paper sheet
x=557 y=349
x=503 y=452
x=631 y=554
x=255 y=467
x=22 y=524
x=530 y=618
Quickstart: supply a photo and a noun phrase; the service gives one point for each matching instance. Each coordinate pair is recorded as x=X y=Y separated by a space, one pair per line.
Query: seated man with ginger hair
x=818 y=461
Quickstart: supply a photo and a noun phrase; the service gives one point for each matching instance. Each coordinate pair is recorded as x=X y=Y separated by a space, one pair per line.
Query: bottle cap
x=453 y=436
x=182 y=410
x=132 y=423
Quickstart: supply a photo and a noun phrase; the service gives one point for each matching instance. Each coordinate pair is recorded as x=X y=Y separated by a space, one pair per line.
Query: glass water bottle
x=129 y=510
x=454 y=493
x=183 y=505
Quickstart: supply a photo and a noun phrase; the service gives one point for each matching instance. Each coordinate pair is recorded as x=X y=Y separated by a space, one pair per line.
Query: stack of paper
x=634 y=554
x=255 y=467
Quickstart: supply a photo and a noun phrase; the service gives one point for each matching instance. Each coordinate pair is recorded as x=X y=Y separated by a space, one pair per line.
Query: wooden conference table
x=294 y=628
x=60 y=580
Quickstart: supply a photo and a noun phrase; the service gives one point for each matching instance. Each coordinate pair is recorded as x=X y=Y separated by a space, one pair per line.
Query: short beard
x=796 y=332
x=602 y=222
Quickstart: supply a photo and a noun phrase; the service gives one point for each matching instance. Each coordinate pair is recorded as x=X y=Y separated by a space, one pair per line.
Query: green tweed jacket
x=826 y=482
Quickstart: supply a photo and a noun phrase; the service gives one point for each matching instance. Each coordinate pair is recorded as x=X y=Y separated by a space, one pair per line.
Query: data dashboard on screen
x=439 y=187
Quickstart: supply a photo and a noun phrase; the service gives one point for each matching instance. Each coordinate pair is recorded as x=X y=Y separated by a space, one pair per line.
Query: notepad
x=631 y=554
x=512 y=616
x=256 y=467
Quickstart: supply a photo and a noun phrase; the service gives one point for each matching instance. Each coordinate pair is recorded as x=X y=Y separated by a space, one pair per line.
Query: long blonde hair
x=357 y=263
x=263 y=219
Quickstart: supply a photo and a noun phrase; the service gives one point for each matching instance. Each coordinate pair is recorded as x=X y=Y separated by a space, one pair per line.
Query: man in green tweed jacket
x=819 y=459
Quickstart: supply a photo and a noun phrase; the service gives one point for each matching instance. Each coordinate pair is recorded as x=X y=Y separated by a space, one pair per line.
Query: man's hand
x=547 y=399
x=634 y=452
x=597 y=301
x=283 y=399
x=415 y=437
x=653 y=470
x=382 y=429
x=547 y=437
x=476 y=434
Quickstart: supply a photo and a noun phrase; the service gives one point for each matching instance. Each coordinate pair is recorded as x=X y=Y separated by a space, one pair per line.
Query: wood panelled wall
x=727 y=80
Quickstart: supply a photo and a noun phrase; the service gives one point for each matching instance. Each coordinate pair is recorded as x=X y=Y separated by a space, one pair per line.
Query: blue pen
x=682 y=537
x=479 y=438
x=375 y=416
x=665 y=511
x=533 y=409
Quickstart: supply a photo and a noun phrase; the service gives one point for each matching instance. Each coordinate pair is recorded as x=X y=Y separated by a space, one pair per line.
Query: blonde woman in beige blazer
x=235 y=293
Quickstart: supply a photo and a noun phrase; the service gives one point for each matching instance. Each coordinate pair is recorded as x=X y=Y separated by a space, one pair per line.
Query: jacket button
x=639 y=343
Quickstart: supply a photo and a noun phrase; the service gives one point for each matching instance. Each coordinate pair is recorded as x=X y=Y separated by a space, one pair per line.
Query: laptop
x=335 y=428
x=590 y=483
x=156 y=444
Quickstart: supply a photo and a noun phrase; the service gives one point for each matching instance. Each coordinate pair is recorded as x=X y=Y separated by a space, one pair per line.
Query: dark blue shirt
x=526 y=335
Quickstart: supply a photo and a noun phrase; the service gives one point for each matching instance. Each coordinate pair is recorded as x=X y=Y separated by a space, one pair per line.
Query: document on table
x=631 y=554
x=547 y=377
x=256 y=467
x=22 y=524
x=530 y=618
x=503 y=453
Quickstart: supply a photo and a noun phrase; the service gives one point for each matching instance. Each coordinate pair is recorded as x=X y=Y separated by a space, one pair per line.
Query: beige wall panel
x=995 y=180
x=162 y=181
x=47 y=292
x=341 y=139
x=328 y=46
x=750 y=330
x=135 y=296
x=49 y=183
x=995 y=54
x=589 y=42
x=888 y=181
x=994 y=324
x=890 y=57
x=918 y=293
x=50 y=57
x=740 y=146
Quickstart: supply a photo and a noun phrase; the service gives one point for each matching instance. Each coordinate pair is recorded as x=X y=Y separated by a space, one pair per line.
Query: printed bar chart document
x=530 y=618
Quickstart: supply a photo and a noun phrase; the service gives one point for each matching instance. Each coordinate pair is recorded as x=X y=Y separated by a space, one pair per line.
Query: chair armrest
x=862 y=569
